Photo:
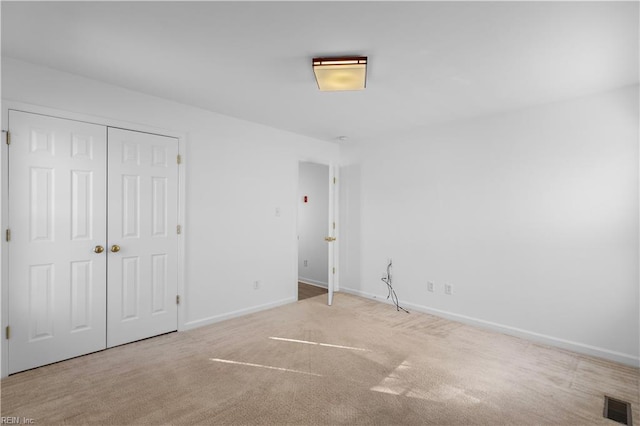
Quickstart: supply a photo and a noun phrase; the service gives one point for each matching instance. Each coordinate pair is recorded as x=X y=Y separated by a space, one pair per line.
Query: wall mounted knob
x=98 y=249
x=115 y=248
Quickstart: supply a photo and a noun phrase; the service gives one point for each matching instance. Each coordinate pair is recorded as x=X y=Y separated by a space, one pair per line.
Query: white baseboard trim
x=578 y=347
x=313 y=282
x=217 y=318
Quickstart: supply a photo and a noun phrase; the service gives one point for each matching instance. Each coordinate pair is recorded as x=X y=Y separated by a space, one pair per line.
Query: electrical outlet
x=306 y=263
x=256 y=285
x=447 y=289
x=430 y=286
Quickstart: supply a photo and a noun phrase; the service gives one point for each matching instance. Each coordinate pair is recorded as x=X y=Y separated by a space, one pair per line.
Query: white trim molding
x=240 y=312
x=578 y=347
x=312 y=282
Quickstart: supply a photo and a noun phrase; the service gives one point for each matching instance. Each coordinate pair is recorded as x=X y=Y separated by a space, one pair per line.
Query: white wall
x=313 y=219
x=237 y=174
x=531 y=216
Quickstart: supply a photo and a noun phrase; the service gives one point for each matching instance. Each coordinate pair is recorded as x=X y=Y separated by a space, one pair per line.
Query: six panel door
x=143 y=214
x=69 y=182
x=57 y=215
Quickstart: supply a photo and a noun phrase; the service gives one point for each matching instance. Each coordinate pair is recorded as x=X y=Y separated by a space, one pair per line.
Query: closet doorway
x=92 y=253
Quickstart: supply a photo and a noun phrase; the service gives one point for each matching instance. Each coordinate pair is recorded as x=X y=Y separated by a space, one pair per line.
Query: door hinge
x=334 y=225
x=7 y=332
x=179 y=159
x=334 y=270
x=179 y=229
x=7 y=235
x=177 y=299
x=8 y=140
x=334 y=180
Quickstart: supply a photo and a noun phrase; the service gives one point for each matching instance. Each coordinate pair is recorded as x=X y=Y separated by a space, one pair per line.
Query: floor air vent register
x=617 y=410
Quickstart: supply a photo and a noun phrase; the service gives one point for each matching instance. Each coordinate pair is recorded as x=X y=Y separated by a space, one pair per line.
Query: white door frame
x=4 y=199
x=333 y=282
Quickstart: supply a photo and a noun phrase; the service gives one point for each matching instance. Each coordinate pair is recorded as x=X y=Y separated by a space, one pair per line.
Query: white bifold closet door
x=143 y=215
x=57 y=217
x=93 y=251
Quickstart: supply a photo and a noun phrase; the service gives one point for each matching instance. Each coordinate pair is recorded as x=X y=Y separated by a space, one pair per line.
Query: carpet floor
x=356 y=362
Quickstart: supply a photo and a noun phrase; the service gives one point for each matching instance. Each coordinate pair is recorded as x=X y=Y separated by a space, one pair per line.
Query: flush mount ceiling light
x=342 y=73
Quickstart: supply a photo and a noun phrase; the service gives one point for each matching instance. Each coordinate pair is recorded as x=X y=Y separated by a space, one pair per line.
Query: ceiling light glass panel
x=335 y=74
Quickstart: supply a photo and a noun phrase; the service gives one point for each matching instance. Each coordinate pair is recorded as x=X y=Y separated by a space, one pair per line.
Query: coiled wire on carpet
x=392 y=293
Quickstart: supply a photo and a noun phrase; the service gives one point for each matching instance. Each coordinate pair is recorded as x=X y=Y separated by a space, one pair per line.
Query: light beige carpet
x=357 y=362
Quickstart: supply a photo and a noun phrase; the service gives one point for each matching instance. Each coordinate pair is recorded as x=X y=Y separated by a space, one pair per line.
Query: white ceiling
x=429 y=61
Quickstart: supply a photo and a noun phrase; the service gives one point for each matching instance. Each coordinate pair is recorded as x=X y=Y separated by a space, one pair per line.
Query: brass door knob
x=115 y=248
x=330 y=239
x=98 y=249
